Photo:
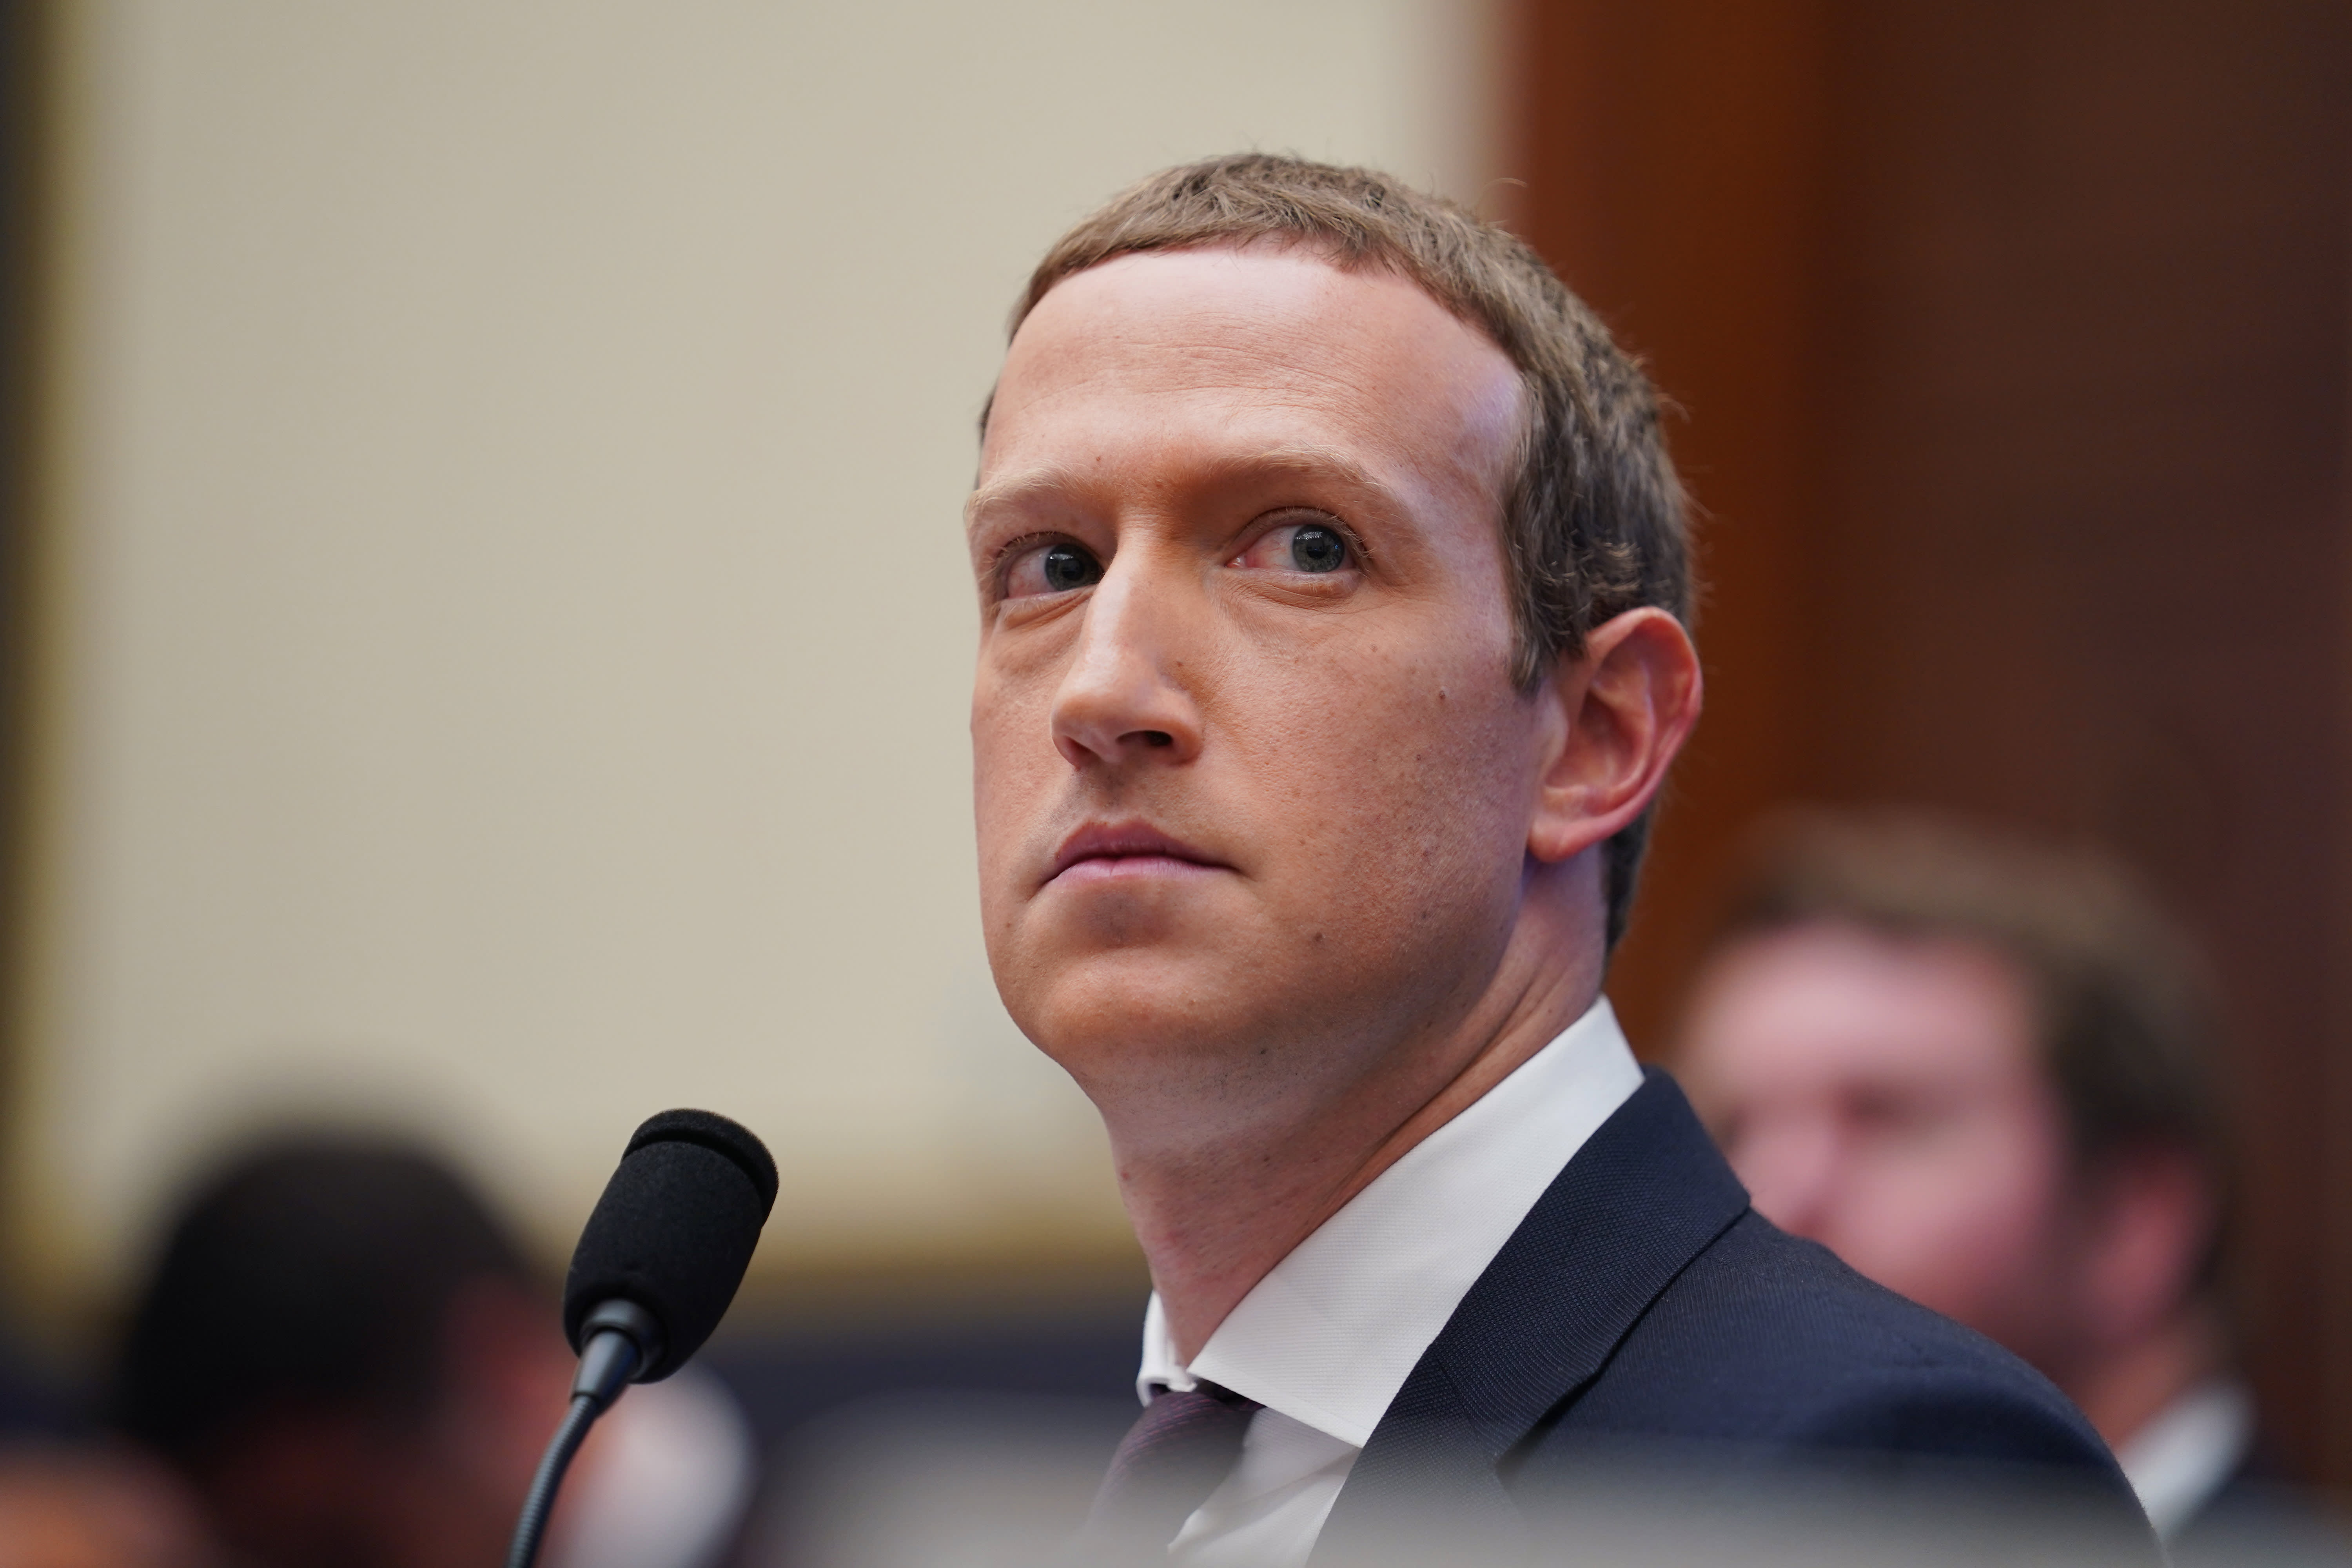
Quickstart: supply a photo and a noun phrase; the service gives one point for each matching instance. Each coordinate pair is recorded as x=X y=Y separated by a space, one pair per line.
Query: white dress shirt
x=2188 y=1451
x=1326 y=1339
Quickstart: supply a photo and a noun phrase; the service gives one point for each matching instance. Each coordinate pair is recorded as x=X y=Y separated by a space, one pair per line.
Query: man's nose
x=1125 y=698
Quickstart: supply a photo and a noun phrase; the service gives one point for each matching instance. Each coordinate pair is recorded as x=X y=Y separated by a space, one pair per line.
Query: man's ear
x=1622 y=711
x=2152 y=1216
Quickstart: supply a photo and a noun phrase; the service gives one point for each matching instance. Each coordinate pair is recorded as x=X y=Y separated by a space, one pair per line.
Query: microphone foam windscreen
x=673 y=1231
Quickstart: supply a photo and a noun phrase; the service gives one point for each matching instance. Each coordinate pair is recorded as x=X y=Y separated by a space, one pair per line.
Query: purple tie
x=1175 y=1455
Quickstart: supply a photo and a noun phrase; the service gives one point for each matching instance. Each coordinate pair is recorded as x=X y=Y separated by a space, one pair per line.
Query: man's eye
x=1051 y=569
x=1312 y=547
x=1890 y=1113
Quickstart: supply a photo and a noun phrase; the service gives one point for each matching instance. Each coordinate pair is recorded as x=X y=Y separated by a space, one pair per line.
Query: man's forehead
x=1245 y=280
x=1843 y=994
x=1271 y=347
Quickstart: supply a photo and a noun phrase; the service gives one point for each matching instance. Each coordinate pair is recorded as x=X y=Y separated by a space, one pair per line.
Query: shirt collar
x=2188 y=1451
x=1332 y=1332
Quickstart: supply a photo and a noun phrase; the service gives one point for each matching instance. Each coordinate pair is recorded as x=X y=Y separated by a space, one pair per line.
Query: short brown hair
x=1594 y=523
x=2129 y=1032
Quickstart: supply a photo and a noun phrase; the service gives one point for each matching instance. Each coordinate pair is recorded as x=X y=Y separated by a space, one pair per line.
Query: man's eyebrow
x=1323 y=464
x=1309 y=462
x=1015 y=491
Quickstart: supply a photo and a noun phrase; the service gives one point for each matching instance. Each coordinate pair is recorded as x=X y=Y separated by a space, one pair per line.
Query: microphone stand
x=622 y=1337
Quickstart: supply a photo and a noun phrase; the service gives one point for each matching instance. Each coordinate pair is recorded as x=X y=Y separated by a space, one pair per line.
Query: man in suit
x=1333 y=583
x=1987 y=1074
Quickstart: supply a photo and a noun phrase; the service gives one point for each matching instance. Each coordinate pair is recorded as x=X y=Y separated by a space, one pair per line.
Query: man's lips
x=1100 y=851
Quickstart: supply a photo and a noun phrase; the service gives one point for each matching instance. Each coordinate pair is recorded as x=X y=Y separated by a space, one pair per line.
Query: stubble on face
x=1336 y=764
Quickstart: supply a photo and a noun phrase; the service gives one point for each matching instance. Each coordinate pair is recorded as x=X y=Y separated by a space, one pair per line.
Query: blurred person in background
x=345 y=1355
x=1984 y=1073
x=70 y=1497
x=92 y=1506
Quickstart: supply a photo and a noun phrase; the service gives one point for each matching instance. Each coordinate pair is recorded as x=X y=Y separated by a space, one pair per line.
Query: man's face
x=1253 y=780
x=1885 y=1098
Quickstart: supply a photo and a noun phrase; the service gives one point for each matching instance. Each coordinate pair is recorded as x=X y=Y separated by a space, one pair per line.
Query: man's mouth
x=1105 y=851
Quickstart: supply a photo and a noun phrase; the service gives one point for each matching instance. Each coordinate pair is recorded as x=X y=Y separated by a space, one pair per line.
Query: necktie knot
x=1178 y=1452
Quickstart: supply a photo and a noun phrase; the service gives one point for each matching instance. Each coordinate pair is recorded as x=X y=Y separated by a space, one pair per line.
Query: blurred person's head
x=80 y=1505
x=345 y=1355
x=1980 y=1072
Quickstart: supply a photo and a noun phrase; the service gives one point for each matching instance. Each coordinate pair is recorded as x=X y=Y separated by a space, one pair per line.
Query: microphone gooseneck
x=539 y=1502
x=657 y=1263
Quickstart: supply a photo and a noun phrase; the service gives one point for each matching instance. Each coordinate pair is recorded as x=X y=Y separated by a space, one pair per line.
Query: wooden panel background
x=2013 y=343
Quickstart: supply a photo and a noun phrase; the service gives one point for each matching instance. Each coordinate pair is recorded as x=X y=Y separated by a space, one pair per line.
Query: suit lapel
x=1646 y=1195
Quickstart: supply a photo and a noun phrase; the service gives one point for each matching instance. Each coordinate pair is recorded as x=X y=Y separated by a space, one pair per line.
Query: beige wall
x=505 y=636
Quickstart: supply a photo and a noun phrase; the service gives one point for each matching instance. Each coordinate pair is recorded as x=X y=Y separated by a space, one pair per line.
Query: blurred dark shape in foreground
x=1033 y=1371
x=1987 y=1074
x=946 y=1483
x=345 y=1356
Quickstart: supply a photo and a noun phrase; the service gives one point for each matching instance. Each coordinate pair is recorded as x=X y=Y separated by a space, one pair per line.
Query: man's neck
x=2137 y=1383
x=1215 y=1217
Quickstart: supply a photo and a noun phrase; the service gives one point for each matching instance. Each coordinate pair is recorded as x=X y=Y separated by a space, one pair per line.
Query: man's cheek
x=1423 y=779
x=1013 y=756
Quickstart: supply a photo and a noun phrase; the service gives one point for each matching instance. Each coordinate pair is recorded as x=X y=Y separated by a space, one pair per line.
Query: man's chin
x=1125 y=1011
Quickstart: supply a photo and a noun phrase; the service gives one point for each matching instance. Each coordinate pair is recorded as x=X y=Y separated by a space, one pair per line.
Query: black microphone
x=658 y=1264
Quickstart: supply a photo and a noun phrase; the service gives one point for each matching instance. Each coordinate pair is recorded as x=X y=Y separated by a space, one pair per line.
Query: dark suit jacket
x=1644 y=1313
